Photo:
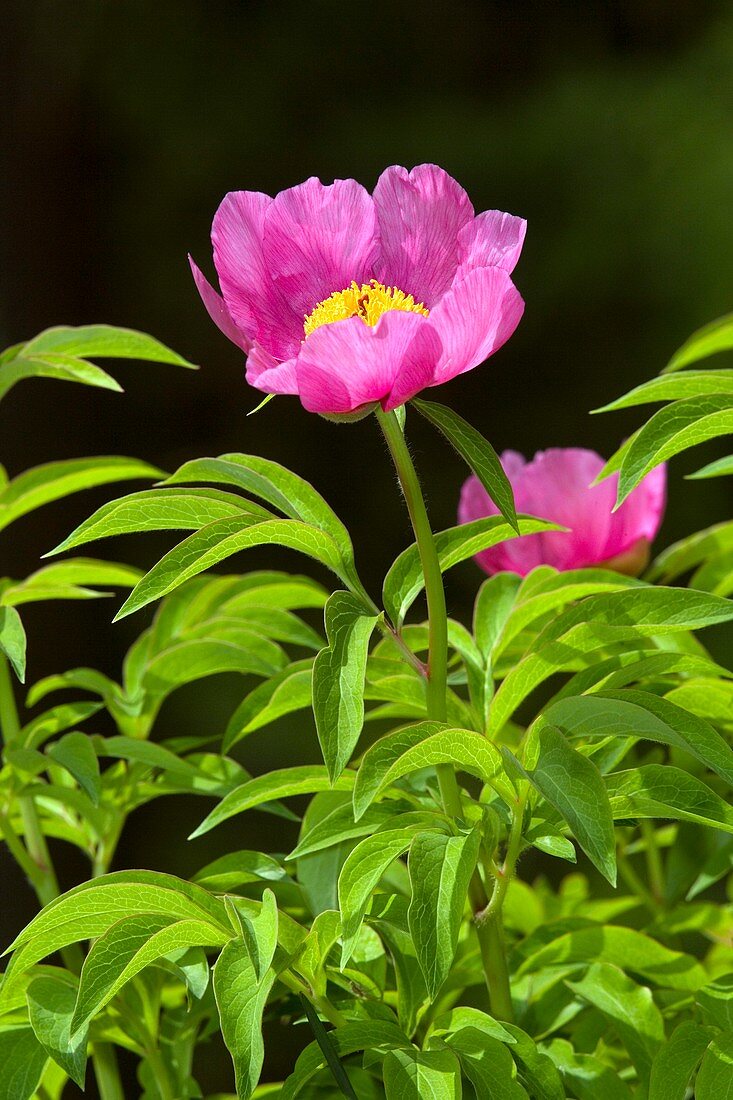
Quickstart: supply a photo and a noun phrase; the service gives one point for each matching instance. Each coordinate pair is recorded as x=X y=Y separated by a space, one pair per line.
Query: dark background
x=607 y=125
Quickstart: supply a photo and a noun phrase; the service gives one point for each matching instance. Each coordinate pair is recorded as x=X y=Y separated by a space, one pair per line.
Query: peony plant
x=510 y=871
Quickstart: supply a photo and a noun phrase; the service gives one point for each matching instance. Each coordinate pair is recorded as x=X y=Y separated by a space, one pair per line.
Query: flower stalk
x=489 y=929
x=34 y=859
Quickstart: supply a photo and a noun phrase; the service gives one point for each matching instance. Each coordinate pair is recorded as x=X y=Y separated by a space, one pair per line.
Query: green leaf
x=628 y=1007
x=144 y=752
x=621 y=947
x=720 y=467
x=558 y=846
x=271 y=622
x=13 y=640
x=494 y=604
x=339 y=825
x=538 y=1069
x=287 y=691
x=338 y=1072
x=259 y=933
x=405 y=580
x=104 y=342
x=707 y=697
x=708 y=340
x=587 y=1076
x=64 y=368
x=338 y=679
x=715 y=1001
x=440 y=870
x=691 y=551
x=55 y=480
x=477 y=452
x=22 y=1062
x=284 y=783
x=641 y=714
x=360 y=875
x=557 y=591
x=237 y=869
x=76 y=754
x=412 y=993
x=64 y=580
x=280 y=487
x=676 y=1061
x=51 y=1003
x=574 y=786
x=221 y=539
x=673 y=387
x=284 y=590
x=241 y=998
x=89 y=910
x=662 y=791
x=242 y=651
x=715 y=1077
x=372 y=1035
x=416 y=1075
x=126 y=948
x=423 y=746
x=671 y=430
x=566 y=642
x=56 y=720
x=488 y=1064
x=652 y=611
x=174 y=509
x=459 y=1018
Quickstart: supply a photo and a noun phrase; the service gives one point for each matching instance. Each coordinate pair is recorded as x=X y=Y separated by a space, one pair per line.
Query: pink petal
x=345 y=365
x=421 y=214
x=252 y=299
x=640 y=516
x=474 y=319
x=555 y=485
x=217 y=310
x=492 y=239
x=317 y=240
x=517 y=555
x=266 y=373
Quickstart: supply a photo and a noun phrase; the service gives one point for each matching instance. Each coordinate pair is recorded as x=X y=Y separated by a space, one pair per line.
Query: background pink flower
x=556 y=485
x=346 y=298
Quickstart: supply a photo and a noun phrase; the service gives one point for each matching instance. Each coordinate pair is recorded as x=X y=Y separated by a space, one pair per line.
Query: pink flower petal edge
x=278 y=259
x=557 y=485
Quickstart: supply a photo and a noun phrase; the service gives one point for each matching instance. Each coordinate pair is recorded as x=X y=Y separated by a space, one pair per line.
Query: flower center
x=368 y=301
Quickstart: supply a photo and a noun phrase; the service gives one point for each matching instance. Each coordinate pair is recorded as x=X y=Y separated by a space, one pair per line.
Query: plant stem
x=160 y=1073
x=106 y=1072
x=43 y=878
x=44 y=881
x=437 y=615
x=654 y=866
x=292 y=982
x=489 y=930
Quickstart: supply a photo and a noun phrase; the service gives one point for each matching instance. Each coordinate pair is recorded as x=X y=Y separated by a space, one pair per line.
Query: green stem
x=489 y=931
x=44 y=881
x=633 y=881
x=43 y=877
x=106 y=1072
x=160 y=1073
x=292 y=982
x=654 y=865
x=437 y=616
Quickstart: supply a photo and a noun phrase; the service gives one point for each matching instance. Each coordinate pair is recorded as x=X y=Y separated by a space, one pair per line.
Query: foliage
x=591 y=726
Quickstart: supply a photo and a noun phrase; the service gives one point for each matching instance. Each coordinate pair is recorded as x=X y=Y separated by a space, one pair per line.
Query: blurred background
x=607 y=125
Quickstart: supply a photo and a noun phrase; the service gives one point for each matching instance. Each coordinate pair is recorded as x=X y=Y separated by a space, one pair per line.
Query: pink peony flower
x=346 y=298
x=556 y=485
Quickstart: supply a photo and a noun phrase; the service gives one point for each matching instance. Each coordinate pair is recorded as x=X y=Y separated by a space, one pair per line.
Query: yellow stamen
x=368 y=301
